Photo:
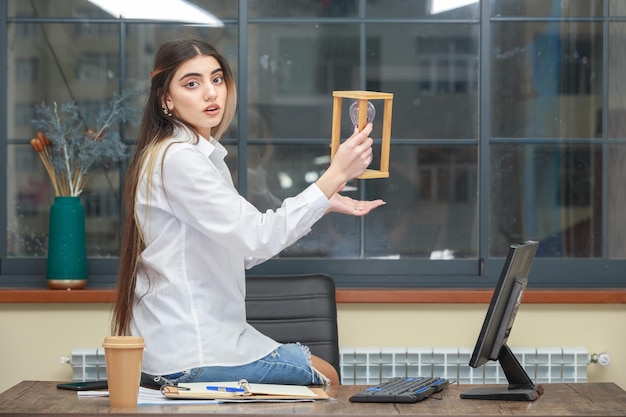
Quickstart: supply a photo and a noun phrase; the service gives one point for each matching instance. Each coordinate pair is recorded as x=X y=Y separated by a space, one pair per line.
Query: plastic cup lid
x=123 y=342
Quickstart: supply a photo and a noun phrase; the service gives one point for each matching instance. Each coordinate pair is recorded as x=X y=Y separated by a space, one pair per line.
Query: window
x=97 y=66
x=26 y=70
x=508 y=125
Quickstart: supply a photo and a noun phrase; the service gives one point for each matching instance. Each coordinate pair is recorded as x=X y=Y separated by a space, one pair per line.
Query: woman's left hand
x=346 y=205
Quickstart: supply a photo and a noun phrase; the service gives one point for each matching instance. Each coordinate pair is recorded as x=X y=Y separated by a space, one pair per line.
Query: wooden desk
x=31 y=398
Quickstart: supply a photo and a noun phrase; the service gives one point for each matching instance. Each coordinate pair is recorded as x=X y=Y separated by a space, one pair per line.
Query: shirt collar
x=207 y=147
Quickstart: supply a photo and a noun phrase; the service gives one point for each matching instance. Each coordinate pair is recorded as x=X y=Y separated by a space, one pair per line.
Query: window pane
x=276 y=172
x=88 y=9
x=58 y=63
x=28 y=206
x=47 y=9
x=303 y=8
x=548 y=77
x=142 y=42
x=617 y=202
x=432 y=71
x=617 y=8
x=435 y=9
x=292 y=72
x=220 y=8
x=617 y=86
x=547 y=8
x=547 y=193
x=432 y=201
x=29 y=197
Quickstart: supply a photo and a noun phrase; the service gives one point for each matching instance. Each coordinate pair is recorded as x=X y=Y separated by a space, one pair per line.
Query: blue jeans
x=290 y=364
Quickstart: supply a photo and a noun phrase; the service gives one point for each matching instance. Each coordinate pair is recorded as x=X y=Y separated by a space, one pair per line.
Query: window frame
x=482 y=272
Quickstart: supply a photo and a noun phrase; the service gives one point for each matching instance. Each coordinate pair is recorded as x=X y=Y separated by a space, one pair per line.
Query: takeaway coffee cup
x=123 y=355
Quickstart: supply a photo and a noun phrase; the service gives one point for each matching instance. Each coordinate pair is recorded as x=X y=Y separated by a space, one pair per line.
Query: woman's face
x=197 y=94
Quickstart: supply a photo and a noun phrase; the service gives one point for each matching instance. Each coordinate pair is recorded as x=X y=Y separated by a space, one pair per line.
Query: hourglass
x=354 y=110
x=362 y=111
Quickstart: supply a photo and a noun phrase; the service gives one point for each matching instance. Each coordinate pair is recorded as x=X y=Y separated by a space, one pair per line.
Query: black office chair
x=296 y=308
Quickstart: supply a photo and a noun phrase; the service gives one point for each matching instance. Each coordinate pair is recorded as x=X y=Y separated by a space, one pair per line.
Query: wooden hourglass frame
x=362 y=97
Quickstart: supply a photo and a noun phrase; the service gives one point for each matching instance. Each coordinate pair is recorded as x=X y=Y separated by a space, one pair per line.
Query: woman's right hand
x=351 y=159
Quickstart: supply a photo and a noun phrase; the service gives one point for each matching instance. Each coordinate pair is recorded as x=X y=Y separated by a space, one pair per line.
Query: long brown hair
x=156 y=127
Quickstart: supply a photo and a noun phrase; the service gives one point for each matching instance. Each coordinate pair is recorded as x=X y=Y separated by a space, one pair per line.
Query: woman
x=189 y=235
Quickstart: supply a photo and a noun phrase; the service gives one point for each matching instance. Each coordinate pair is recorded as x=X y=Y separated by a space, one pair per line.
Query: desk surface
x=37 y=398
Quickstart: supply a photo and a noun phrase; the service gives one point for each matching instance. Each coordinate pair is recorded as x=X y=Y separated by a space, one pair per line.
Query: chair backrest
x=296 y=308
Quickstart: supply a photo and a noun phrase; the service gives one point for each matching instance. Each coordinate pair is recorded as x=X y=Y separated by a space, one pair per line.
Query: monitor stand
x=521 y=387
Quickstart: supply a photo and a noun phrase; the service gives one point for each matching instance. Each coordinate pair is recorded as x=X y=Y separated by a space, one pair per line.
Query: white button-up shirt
x=200 y=236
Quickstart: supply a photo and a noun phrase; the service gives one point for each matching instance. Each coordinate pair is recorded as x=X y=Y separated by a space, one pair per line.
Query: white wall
x=35 y=336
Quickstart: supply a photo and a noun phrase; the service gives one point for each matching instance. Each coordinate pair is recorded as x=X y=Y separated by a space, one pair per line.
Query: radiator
x=369 y=366
x=87 y=364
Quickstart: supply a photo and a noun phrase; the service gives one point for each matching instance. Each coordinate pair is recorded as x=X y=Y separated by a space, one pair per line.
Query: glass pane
x=617 y=85
x=432 y=202
x=303 y=8
x=617 y=8
x=143 y=41
x=548 y=77
x=48 y=9
x=617 y=202
x=276 y=172
x=29 y=197
x=58 y=63
x=334 y=236
x=547 y=193
x=547 y=8
x=199 y=11
x=102 y=213
x=420 y=9
x=219 y=8
x=431 y=197
x=292 y=72
x=432 y=70
x=31 y=194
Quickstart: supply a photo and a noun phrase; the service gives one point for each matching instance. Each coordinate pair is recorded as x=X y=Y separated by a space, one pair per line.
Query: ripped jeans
x=289 y=364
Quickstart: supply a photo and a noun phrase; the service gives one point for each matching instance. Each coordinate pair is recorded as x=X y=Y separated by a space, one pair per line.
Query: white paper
x=151 y=397
x=146 y=397
x=255 y=389
x=154 y=397
x=91 y=394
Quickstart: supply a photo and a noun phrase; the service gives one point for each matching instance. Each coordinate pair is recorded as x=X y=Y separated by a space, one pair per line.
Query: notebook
x=242 y=391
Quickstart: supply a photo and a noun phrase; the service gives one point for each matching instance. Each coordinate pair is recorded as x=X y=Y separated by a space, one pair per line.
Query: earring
x=166 y=111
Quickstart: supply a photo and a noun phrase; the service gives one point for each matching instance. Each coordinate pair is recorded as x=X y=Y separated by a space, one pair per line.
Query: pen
x=224 y=389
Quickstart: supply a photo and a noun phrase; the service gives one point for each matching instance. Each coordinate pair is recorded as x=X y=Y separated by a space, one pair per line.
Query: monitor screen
x=492 y=340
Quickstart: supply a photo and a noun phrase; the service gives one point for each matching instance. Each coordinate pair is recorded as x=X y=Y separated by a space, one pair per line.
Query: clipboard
x=243 y=391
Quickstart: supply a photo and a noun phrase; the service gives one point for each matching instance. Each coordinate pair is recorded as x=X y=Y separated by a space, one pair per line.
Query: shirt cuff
x=318 y=199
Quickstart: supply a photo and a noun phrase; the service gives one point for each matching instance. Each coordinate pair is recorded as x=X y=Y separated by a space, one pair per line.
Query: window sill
x=444 y=296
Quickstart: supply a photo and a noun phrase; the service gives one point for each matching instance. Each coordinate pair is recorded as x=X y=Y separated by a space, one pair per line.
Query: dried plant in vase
x=71 y=148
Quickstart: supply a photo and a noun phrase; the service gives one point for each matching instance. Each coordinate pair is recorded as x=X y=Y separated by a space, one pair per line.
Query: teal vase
x=67 y=250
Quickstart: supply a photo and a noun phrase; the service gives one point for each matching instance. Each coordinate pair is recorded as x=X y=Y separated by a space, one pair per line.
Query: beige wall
x=35 y=336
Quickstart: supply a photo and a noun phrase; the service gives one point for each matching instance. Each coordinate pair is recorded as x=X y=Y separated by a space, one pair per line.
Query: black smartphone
x=84 y=385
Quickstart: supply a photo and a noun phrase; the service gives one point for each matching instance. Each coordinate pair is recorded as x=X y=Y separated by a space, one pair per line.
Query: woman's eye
x=192 y=84
x=218 y=80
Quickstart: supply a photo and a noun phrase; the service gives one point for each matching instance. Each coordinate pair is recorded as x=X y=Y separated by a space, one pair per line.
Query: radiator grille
x=87 y=364
x=369 y=366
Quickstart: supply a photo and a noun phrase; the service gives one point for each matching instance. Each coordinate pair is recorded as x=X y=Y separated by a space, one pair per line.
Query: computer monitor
x=492 y=340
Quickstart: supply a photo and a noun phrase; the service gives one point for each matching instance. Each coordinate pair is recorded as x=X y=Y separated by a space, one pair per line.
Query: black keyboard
x=401 y=390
